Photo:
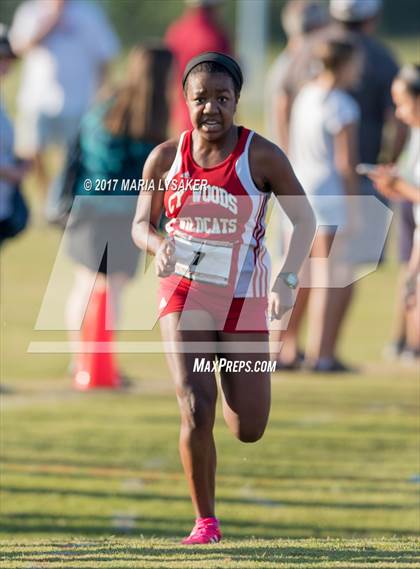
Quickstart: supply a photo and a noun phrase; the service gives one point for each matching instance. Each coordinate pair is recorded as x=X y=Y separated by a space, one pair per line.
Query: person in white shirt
x=300 y=19
x=323 y=151
x=65 y=45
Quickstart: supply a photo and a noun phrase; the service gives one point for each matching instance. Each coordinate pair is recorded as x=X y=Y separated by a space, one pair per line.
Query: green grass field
x=93 y=479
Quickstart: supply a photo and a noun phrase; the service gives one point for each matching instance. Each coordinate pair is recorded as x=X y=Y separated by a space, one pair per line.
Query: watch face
x=292 y=280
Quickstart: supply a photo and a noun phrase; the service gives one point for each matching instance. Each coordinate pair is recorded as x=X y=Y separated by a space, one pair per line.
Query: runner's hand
x=165 y=259
x=281 y=300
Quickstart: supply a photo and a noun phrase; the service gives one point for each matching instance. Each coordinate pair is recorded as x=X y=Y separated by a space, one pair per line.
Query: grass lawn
x=93 y=479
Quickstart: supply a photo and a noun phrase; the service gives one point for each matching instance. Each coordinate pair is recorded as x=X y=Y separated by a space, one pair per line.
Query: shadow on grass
x=38 y=463
x=172 y=527
x=288 y=482
x=299 y=555
x=226 y=499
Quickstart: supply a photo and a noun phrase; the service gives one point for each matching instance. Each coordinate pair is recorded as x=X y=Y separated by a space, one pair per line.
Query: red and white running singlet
x=217 y=222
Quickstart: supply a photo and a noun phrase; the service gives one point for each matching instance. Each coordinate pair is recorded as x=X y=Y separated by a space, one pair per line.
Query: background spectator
x=404 y=183
x=299 y=19
x=357 y=20
x=65 y=45
x=12 y=171
x=323 y=152
x=116 y=137
x=199 y=29
x=373 y=91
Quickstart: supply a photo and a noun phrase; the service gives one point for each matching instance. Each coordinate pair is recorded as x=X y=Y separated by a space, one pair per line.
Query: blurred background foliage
x=137 y=20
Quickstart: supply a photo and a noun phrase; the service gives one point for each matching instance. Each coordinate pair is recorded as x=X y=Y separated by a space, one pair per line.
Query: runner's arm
x=271 y=170
x=150 y=201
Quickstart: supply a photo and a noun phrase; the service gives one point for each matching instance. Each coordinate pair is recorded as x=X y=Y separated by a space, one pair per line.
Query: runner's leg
x=246 y=394
x=197 y=394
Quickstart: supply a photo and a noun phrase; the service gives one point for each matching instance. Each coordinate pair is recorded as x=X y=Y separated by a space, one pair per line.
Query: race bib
x=203 y=261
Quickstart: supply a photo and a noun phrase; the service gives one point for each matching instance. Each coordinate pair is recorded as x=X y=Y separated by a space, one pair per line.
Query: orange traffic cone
x=96 y=368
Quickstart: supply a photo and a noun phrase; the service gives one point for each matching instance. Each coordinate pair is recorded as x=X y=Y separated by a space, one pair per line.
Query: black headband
x=225 y=61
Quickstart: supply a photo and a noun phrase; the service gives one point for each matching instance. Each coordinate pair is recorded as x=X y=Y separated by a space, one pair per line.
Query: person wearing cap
x=373 y=94
x=353 y=20
x=214 y=271
x=356 y=20
x=199 y=29
x=12 y=171
x=299 y=19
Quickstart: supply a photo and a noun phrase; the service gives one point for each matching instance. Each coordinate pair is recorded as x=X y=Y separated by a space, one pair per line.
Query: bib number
x=203 y=261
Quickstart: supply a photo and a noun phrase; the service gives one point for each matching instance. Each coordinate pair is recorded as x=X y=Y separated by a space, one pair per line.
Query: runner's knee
x=250 y=433
x=197 y=410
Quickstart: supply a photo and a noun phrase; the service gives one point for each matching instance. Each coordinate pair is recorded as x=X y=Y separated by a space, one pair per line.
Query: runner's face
x=211 y=101
x=408 y=106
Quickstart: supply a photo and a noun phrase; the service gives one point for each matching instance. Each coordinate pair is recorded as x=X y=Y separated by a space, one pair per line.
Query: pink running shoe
x=206 y=530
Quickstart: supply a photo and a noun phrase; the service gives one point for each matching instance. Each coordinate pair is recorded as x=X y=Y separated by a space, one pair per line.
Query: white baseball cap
x=303 y=16
x=354 y=10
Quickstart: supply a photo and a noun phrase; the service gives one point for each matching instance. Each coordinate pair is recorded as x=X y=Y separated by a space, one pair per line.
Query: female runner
x=213 y=268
